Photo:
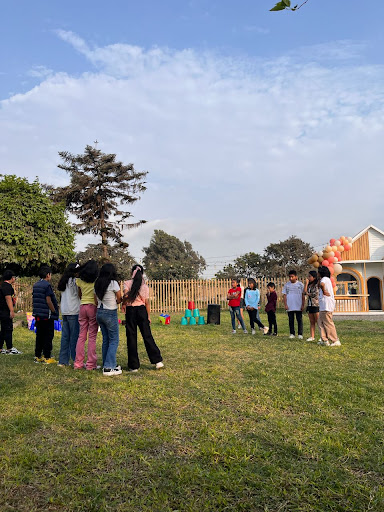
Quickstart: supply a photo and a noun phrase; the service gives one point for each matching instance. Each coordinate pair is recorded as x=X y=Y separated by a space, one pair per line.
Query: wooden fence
x=173 y=296
x=170 y=296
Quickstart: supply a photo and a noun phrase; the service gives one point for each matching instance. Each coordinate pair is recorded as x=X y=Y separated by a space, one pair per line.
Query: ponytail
x=137 y=281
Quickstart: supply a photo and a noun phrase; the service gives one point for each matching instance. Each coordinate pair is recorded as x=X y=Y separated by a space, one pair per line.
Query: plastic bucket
x=192 y=321
x=188 y=313
x=201 y=320
x=184 y=321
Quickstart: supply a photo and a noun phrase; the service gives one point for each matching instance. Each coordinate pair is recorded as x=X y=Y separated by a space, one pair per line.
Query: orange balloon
x=337 y=254
x=347 y=246
x=316 y=264
x=332 y=241
x=326 y=255
x=325 y=263
x=328 y=248
x=334 y=248
x=331 y=269
x=334 y=289
x=321 y=259
x=342 y=239
x=331 y=259
x=341 y=248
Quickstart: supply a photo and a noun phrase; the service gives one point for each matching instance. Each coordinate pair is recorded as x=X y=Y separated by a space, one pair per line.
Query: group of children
x=89 y=300
x=320 y=306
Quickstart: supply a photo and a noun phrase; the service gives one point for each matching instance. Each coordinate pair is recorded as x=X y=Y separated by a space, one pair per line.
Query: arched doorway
x=374 y=290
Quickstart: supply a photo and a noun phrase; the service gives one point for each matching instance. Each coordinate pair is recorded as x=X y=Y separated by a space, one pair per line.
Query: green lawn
x=234 y=422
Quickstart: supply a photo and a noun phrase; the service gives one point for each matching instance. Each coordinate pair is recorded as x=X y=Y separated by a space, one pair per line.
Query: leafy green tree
x=286 y=4
x=119 y=256
x=250 y=264
x=292 y=253
x=33 y=230
x=99 y=187
x=167 y=257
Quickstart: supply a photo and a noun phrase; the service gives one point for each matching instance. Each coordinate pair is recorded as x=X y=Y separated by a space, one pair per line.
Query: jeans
x=69 y=336
x=235 y=311
x=299 y=318
x=137 y=317
x=6 y=331
x=109 y=325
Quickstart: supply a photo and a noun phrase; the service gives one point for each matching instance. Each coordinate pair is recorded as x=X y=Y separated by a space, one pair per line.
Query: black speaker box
x=213 y=316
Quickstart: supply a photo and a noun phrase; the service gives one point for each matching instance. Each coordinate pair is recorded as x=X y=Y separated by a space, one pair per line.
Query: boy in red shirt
x=234 y=296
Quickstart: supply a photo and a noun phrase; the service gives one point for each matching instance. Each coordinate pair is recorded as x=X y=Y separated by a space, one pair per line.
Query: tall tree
x=292 y=253
x=99 y=187
x=118 y=255
x=250 y=264
x=167 y=257
x=33 y=230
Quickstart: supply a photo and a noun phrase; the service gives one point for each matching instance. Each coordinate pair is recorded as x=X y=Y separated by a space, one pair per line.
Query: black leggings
x=137 y=317
x=253 y=318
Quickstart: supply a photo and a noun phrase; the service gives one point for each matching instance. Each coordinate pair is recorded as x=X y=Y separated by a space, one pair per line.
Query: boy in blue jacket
x=252 y=299
x=45 y=311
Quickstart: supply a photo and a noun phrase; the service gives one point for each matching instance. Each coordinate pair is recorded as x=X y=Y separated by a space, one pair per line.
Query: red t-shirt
x=234 y=302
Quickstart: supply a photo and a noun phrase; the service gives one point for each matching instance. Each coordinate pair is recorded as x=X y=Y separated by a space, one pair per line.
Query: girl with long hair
x=70 y=307
x=137 y=315
x=252 y=299
x=87 y=316
x=326 y=325
x=108 y=294
x=311 y=290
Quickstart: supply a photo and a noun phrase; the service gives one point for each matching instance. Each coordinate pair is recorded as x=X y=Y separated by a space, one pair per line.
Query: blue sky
x=237 y=113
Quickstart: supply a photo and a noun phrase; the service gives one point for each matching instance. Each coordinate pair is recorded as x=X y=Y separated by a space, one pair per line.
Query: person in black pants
x=294 y=298
x=270 y=309
x=45 y=311
x=7 y=313
x=137 y=315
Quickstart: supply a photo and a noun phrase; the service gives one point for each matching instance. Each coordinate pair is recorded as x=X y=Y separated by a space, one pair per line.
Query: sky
x=252 y=125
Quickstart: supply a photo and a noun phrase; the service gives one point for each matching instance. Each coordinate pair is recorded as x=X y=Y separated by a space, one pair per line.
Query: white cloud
x=239 y=153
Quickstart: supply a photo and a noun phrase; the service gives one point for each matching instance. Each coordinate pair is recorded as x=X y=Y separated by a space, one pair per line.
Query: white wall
x=376 y=245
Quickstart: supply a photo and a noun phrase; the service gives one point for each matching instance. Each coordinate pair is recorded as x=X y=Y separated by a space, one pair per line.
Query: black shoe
x=275 y=334
x=268 y=333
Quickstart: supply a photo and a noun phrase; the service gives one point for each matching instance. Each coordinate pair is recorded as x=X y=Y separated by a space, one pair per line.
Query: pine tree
x=99 y=186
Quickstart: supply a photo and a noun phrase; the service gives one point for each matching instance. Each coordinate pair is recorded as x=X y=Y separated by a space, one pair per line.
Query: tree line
x=35 y=228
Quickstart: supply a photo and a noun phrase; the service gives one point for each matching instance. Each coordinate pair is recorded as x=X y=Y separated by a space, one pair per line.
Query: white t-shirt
x=70 y=302
x=109 y=299
x=326 y=303
x=294 y=293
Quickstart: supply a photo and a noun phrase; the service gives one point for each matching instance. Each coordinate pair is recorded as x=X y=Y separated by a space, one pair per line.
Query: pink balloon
x=325 y=263
x=347 y=247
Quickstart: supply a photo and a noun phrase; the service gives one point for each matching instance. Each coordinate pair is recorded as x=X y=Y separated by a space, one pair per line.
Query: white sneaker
x=310 y=339
x=324 y=343
x=300 y=337
x=109 y=372
x=291 y=336
x=335 y=344
x=253 y=331
x=320 y=339
x=245 y=331
x=239 y=326
x=135 y=370
x=3 y=351
x=261 y=328
x=234 y=331
x=265 y=329
x=159 y=365
x=14 y=351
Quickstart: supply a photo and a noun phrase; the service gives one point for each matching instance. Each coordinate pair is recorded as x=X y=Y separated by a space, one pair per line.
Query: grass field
x=234 y=422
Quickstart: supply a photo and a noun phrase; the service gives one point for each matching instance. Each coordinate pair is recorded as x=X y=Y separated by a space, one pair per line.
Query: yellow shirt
x=87 y=291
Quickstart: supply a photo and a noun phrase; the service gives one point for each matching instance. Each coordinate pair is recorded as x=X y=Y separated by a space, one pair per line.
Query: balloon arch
x=331 y=256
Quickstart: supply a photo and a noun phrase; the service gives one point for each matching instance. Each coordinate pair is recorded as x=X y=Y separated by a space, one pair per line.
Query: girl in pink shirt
x=137 y=315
